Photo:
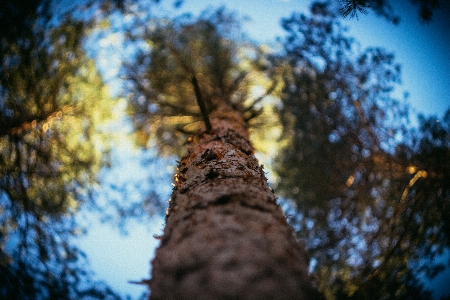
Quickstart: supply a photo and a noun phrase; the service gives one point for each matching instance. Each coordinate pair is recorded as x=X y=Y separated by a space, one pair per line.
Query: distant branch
x=253 y=114
x=365 y=123
x=201 y=104
x=180 y=128
x=25 y=122
x=237 y=81
x=259 y=99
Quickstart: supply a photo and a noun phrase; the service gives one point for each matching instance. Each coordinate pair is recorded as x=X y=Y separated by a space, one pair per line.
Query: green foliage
x=162 y=99
x=52 y=104
x=372 y=215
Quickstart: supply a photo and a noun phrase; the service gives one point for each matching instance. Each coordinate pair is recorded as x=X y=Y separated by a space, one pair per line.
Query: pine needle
x=352 y=7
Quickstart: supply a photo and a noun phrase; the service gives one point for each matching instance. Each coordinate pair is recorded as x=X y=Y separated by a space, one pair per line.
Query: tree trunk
x=225 y=236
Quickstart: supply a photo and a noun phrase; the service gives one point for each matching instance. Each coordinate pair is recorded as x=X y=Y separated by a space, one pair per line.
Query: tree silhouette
x=368 y=208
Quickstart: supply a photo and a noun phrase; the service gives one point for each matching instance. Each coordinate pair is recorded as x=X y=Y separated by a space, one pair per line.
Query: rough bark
x=225 y=236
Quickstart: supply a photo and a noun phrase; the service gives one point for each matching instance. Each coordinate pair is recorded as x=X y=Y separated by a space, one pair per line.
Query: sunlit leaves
x=53 y=151
x=163 y=104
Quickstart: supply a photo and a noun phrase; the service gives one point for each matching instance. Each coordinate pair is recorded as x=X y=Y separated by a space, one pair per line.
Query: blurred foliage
x=162 y=101
x=52 y=104
x=372 y=196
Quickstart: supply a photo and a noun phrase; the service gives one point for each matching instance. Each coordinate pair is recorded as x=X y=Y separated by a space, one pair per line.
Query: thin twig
x=201 y=104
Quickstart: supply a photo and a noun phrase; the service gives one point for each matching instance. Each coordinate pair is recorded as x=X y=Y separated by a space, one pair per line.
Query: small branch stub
x=201 y=104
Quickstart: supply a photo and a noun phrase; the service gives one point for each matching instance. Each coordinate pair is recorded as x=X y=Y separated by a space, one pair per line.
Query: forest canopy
x=366 y=191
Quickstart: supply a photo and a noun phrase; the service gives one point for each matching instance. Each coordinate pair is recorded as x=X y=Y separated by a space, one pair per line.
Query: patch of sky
x=119 y=256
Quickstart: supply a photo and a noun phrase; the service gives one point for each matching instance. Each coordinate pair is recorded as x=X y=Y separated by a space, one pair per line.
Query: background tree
x=361 y=204
x=52 y=102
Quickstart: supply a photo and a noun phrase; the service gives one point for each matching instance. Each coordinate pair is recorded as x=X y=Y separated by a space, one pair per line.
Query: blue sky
x=422 y=50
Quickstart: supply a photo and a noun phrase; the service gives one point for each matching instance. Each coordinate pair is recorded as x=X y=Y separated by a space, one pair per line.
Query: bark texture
x=225 y=236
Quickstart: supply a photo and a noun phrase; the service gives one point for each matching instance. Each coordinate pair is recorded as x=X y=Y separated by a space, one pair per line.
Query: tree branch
x=259 y=99
x=201 y=103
